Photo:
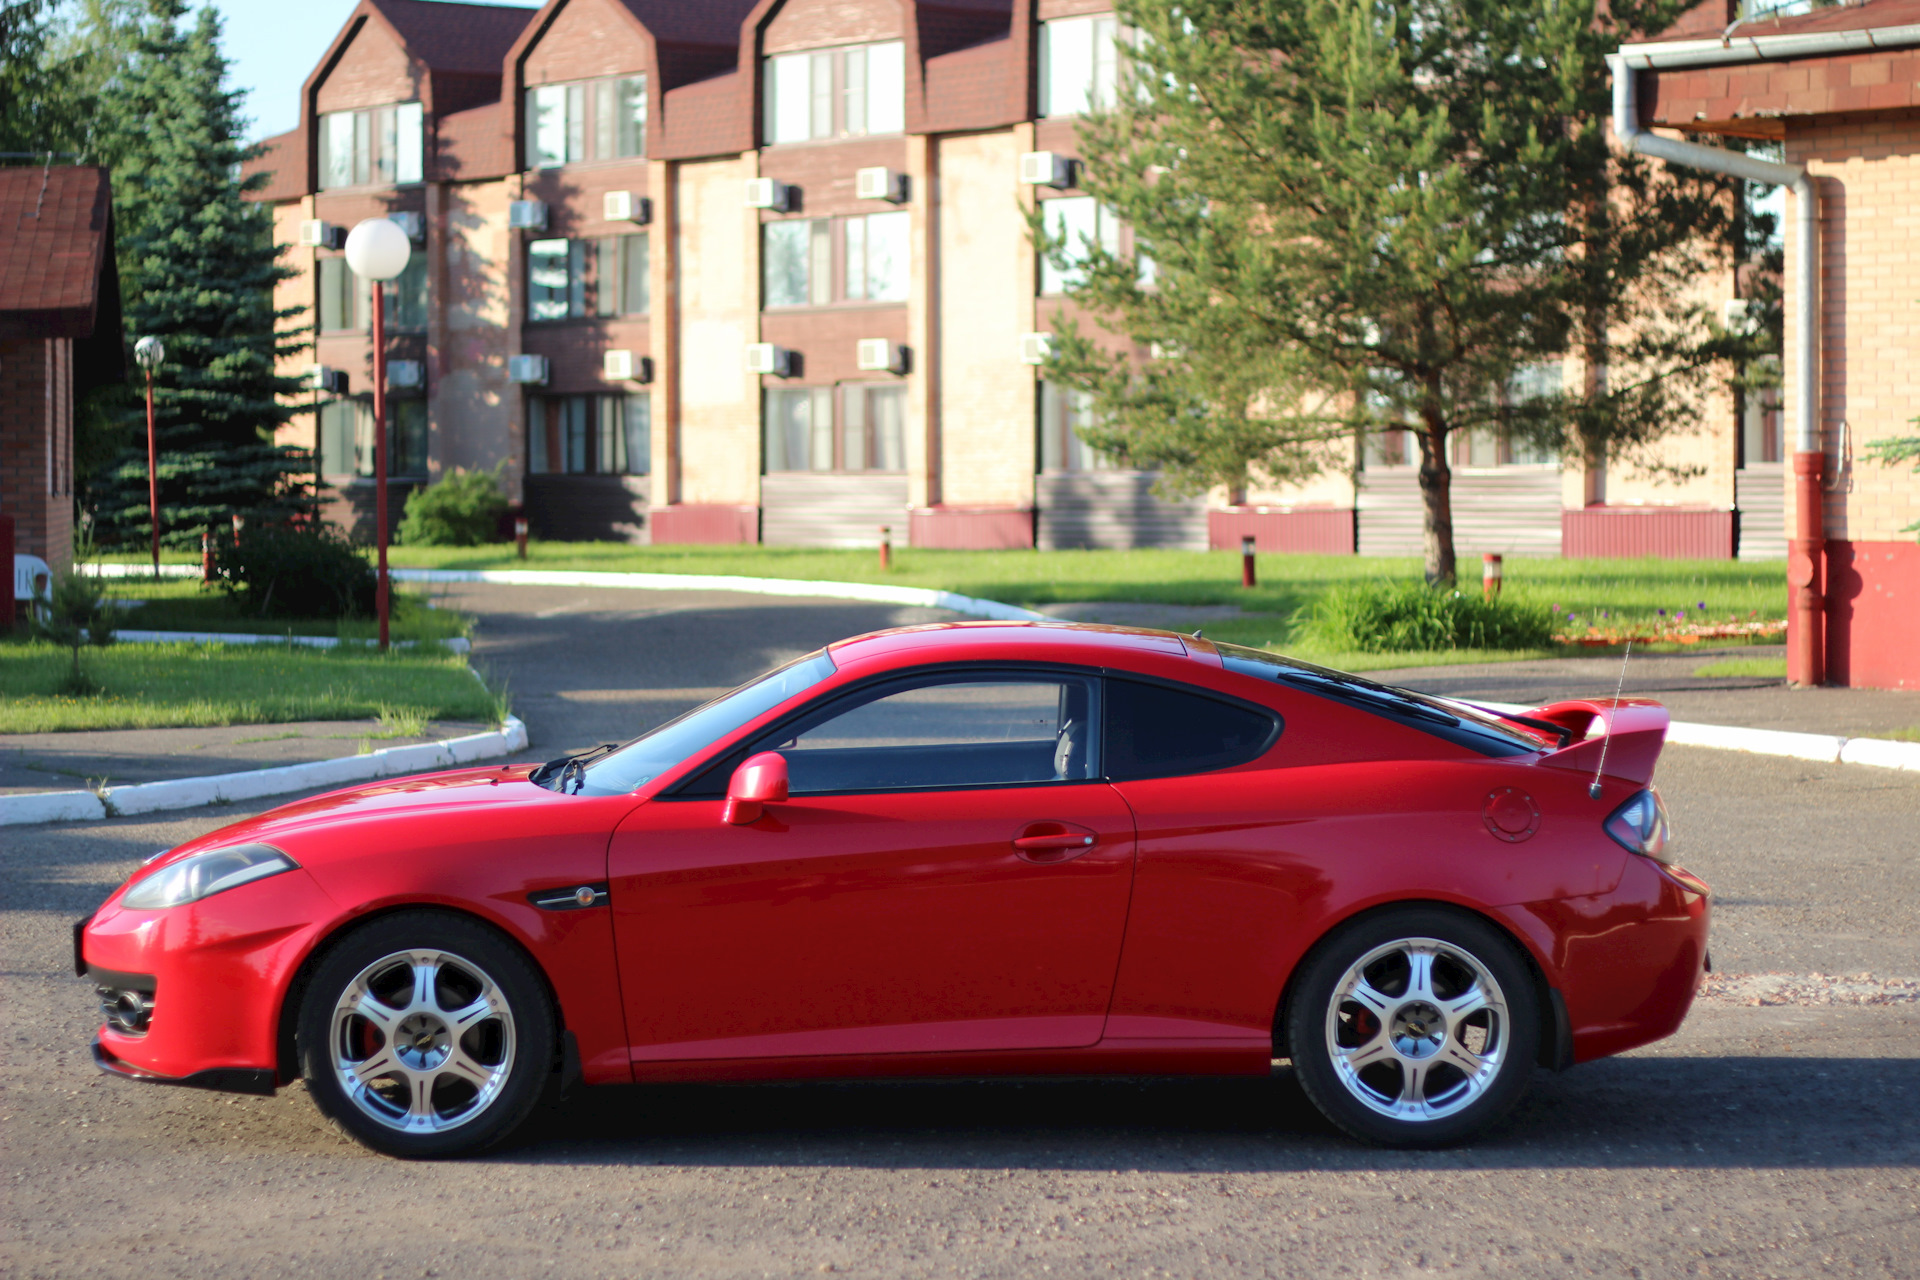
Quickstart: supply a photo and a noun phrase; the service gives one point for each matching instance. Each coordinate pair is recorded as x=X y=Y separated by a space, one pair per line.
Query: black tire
x=461 y=1078
x=1379 y=1061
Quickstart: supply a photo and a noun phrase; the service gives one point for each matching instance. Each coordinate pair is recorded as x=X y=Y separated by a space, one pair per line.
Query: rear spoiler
x=1630 y=731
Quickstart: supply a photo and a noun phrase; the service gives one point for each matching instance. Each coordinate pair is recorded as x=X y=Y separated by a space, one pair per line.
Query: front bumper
x=216 y=973
x=255 y=1080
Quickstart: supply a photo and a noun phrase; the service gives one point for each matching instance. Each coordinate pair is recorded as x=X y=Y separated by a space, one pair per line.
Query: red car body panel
x=902 y=933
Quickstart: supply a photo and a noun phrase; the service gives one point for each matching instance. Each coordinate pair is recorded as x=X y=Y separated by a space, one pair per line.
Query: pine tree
x=1361 y=214
x=39 y=110
x=197 y=269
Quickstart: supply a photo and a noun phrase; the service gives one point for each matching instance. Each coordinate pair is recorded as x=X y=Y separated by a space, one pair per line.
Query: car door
x=950 y=873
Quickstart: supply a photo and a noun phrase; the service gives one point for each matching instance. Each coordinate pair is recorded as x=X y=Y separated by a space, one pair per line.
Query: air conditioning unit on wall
x=770 y=193
x=415 y=225
x=1035 y=347
x=624 y=206
x=880 y=183
x=1046 y=169
x=625 y=366
x=527 y=215
x=882 y=355
x=527 y=370
x=764 y=357
x=316 y=234
x=321 y=378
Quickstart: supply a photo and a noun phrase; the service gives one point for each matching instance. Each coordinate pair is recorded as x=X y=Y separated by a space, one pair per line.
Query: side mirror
x=759 y=781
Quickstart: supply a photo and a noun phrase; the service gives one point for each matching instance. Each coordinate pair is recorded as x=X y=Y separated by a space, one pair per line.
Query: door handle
x=1053 y=842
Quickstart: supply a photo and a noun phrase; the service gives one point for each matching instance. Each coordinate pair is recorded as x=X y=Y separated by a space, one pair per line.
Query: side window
x=1157 y=732
x=978 y=731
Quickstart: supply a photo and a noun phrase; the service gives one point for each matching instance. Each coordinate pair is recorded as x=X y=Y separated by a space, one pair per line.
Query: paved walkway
x=123 y=757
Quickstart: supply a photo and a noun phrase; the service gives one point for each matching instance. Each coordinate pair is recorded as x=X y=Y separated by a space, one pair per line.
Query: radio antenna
x=1593 y=791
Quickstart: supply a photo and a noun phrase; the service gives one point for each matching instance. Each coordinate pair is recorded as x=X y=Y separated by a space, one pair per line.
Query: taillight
x=1640 y=826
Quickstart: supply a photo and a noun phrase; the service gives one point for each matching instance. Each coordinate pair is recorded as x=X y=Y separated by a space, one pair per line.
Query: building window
x=1079 y=65
x=799 y=254
x=1063 y=411
x=589 y=435
x=803 y=432
x=1082 y=222
x=406 y=301
x=346 y=438
x=835 y=93
x=384 y=146
x=603 y=119
x=556 y=279
x=620 y=276
x=1760 y=421
x=346 y=304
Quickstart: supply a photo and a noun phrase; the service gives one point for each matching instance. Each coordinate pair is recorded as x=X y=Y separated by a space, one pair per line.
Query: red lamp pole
x=153 y=480
x=380 y=451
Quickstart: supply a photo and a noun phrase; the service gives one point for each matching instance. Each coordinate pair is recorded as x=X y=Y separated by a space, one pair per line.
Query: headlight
x=204 y=874
x=1641 y=826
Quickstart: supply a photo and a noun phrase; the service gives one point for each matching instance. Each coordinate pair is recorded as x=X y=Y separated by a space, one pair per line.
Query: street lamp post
x=377 y=250
x=148 y=353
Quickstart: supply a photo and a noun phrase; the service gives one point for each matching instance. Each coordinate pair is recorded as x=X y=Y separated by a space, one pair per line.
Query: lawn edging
x=453 y=644
x=874 y=592
x=252 y=784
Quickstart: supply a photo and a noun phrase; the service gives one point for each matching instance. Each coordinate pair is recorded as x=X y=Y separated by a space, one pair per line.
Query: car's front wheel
x=1414 y=1027
x=424 y=1034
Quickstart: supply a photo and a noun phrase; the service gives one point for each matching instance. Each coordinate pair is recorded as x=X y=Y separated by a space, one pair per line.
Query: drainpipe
x=1806 y=657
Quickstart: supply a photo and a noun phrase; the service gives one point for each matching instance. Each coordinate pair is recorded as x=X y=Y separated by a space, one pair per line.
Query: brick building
x=1839 y=89
x=59 y=336
x=621 y=203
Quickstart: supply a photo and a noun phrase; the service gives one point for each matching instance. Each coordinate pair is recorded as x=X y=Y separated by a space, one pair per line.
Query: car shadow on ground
x=1699 y=1112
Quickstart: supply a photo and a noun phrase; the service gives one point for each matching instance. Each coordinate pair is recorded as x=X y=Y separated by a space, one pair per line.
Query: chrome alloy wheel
x=422 y=1041
x=1417 y=1029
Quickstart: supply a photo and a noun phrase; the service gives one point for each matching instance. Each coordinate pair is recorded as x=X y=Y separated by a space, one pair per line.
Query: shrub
x=76 y=614
x=289 y=571
x=460 y=511
x=1398 y=617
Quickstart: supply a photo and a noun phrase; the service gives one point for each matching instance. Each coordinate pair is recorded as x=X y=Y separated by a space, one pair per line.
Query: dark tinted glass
x=1457 y=723
x=1154 y=731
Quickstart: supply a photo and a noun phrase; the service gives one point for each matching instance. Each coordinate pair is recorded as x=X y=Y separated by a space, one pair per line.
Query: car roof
x=1028 y=641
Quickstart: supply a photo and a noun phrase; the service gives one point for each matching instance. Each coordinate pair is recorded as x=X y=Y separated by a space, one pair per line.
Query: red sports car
x=970 y=849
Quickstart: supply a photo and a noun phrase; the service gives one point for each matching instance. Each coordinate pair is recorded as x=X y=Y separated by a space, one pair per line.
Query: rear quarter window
x=1161 y=731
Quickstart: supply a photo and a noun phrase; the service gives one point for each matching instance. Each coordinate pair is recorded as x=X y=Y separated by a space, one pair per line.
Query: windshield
x=658 y=750
x=1477 y=730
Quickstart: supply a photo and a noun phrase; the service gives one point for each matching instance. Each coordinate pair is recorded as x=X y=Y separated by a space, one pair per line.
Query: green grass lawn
x=153 y=686
x=177 y=604
x=1776 y=667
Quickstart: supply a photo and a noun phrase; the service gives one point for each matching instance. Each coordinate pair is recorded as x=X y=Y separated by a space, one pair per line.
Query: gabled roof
x=55 y=245
x=283 y=158
x=470 y=39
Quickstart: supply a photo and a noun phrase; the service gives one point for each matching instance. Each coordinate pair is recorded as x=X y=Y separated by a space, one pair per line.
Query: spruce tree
x=1362 y=214
x=197 y=269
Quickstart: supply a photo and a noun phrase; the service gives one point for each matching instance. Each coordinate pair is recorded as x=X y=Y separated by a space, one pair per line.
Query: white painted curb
x=1885 y=753
x=878 y=593
x=188 y=793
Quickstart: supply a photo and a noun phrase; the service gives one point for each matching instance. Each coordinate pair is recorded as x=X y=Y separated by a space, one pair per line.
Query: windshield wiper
x=1385 y=696
x=573 y=767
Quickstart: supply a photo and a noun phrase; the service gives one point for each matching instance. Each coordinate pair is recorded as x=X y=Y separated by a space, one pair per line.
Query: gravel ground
x=1765 y=1139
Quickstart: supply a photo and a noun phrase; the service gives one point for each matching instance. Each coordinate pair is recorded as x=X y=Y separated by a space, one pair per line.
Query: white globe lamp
x=378 y=249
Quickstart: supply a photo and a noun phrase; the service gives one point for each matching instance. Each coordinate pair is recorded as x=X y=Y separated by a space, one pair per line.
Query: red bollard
x=206 y=555
x=1247 y=578
x=1490 y=575
x=237 y=522
x=520 y=535
x=886 y=547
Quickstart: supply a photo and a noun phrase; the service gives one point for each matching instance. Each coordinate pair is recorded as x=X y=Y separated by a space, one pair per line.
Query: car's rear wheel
x=1414 y=1027
x=424 y=1034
